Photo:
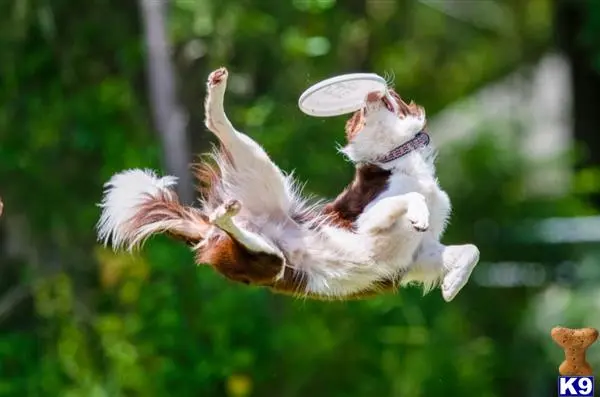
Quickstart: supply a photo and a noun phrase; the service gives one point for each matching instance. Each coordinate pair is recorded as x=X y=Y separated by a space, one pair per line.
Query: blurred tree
x=168 y=116
x=577 y=32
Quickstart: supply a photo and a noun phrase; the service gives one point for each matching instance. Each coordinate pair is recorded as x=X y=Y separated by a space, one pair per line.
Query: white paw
x=225 y=212
x=214 y=113
x=417 y=212
x=217 y=78
x=461 y=262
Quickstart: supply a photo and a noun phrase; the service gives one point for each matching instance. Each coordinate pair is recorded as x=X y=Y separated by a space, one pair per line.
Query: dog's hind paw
x=460 y=261
x=225 y=212
x=217 y=77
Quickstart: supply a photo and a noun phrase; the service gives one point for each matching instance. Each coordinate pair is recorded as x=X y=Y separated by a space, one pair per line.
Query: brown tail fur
x=164 y=213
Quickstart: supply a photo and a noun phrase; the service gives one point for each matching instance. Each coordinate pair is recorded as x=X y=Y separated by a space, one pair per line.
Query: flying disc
x=341 y=94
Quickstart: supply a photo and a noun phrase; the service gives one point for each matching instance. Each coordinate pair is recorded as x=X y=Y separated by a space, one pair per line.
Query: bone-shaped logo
x=575 y=343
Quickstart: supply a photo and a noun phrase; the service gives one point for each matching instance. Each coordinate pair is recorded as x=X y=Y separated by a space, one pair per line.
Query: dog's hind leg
x=215 y=118
x=223 y=218
x=452 y=265
x=252 y=177
x=460 y=260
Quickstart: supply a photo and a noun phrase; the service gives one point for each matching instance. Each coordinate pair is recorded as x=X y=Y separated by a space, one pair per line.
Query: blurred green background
x=512 y=90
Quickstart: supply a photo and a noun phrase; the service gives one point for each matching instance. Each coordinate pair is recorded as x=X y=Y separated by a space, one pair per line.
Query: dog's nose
x=374 y=96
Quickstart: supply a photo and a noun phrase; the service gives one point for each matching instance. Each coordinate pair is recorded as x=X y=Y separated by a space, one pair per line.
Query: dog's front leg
x=257 y=180
x=386 y=212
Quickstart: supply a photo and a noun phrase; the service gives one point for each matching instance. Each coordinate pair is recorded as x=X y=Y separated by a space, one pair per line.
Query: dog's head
x=384 y=123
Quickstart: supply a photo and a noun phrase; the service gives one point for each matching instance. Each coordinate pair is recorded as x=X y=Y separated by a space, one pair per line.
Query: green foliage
x=73 y=110
x=591 y=32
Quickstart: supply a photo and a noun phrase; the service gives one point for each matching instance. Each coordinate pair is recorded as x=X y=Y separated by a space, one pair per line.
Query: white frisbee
x=340 y=94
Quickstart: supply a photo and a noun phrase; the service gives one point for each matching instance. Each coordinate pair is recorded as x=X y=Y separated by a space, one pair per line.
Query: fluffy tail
x=138 y=204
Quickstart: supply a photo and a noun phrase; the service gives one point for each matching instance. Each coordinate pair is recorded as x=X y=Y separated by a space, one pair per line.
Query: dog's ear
x=354 y=124
x=407 y=109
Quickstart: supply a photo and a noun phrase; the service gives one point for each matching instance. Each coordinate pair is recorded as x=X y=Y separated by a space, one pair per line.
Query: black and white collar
x=420 y=140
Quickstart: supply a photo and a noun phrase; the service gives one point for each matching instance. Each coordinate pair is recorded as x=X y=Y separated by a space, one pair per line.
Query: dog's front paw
x=217 y=77
x=418 y=213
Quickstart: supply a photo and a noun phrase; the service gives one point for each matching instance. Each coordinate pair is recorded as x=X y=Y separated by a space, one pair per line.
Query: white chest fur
x=425 y=183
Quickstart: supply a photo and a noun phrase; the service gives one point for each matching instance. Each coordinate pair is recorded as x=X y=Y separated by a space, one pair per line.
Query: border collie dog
x=254 y=226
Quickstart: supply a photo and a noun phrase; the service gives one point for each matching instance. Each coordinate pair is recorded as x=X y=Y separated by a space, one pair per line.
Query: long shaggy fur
x=255 y=226
x=138 y=204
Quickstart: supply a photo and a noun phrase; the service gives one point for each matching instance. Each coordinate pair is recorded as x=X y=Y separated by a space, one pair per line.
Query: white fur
x=222 y=217
x=412 y=181
x=413 y=174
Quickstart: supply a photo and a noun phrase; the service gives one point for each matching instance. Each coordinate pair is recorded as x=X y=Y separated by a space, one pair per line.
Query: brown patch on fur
x=167 y=207
x=355 y=124
x=374 y=96
x=207 y=177
x=235 y=262
x=369 y=181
